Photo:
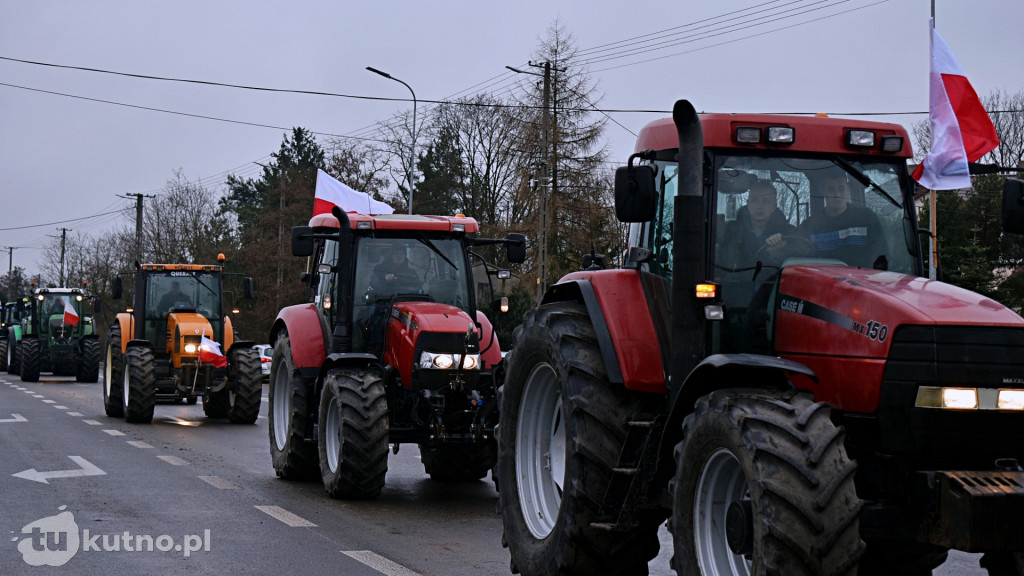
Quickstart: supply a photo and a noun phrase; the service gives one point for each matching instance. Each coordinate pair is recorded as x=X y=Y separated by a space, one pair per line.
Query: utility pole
x=63 y=240
x=138 y=222
x=10 y=258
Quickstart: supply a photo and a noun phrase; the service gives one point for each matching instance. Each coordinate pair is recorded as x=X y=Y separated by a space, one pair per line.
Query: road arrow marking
x=17 y=418
x=87 y=469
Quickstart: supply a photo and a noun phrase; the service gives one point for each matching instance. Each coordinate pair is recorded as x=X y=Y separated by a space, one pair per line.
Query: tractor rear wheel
x=138 y=386
x=88 y=367
x=3 y=354
x=113 y=367
x=245 y=374
x=353 y=434
x=287 y=417
x=29 y=352
x=562 y=428
x=459 y=462
x=763 y=485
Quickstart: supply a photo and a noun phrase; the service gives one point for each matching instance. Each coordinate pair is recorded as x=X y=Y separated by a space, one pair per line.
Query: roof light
x=459 y=227
x=364 y=225
x=892 y=144
x=748 y=134
x=781 y=134
x=860 y=138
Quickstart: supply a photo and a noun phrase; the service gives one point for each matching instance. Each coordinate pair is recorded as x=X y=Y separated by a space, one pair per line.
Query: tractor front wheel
x=138 y=385
x=287 y=417
x=112 y=378
x=29 y=352
x=13 y=366
x=88 y=367
x=353 y=434
x=3 y=354
x=763 y=485
x=246 y=377
x=563 y=425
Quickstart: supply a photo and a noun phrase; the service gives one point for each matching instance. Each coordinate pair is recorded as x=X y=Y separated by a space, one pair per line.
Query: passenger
x=759 y=229
x=845 y=231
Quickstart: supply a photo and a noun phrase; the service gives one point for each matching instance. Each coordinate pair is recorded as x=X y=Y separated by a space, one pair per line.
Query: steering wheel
x=792 y=244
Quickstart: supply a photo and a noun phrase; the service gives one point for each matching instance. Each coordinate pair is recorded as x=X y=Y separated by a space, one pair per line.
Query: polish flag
x=330 y=193
x=70 y=316
x=962 y=131
x=209 y=352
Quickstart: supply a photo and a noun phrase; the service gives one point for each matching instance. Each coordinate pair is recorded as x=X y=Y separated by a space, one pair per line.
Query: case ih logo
x=872 y=329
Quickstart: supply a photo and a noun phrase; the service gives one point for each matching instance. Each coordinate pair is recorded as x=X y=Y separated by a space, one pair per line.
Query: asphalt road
x=86 y=494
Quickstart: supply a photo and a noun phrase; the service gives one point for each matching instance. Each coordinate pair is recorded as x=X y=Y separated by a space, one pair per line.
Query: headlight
x=431 y=361
x=190 y=348
x=957 y=398
x=1011 y=399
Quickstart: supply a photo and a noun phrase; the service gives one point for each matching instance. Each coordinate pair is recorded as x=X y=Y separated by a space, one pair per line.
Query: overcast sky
x=66 y=155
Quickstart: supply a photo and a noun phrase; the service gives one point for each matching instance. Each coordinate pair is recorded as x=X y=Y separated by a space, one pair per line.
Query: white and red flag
x=330 y=193
x=70 y=316
x=962 y=131
x=209 y=353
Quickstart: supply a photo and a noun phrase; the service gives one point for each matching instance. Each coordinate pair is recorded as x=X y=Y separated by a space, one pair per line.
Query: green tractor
x=57 y=337
x=11 y=314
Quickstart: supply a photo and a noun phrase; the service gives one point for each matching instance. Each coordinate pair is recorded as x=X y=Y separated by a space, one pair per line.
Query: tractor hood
x=840 y=322
x=853 y=311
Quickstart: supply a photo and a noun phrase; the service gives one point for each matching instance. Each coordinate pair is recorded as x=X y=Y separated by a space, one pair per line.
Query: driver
x=395 y=273
x=174 y=298
x=759 y=229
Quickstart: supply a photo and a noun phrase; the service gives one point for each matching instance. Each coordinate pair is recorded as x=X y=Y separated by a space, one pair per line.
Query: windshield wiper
x=865 y=179
x=422 y=238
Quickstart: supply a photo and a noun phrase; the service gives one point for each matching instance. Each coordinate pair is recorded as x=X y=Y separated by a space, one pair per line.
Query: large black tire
x=113 y=379
x=138 y=385
x=88 y=368
x=288 y=417
x=770 y=468
x=3 y=354
x=29 y=355
x=459 y=462
x=217 y=404
x=246 y=376
x=562 y=428
x=13 y=365
x=901 y=558
x=353 y=428
x=1003 y=563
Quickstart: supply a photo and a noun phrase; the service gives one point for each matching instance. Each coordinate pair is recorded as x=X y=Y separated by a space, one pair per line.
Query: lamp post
x=412 y=148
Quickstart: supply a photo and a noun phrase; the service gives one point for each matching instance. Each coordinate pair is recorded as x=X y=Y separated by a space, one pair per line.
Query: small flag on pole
x=209 y=353
x=962 y=131
x=70 y=316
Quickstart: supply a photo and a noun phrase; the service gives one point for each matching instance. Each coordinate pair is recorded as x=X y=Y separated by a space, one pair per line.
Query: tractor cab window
x=181 y=291
x=657 y=235
x=774 y=211
x=388 y=270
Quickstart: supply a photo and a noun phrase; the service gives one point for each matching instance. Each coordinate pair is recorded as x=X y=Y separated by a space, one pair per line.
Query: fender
x=309 y=346
x=611 y=298
x=490 y=350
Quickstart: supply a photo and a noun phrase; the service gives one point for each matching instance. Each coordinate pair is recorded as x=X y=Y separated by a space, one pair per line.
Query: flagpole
x=933 y=265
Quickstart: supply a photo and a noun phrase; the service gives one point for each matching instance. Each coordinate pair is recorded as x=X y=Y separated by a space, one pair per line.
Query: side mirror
x=1013 y=206
x=115 y=290
x=96 y=305
x=516 y=247
x=636 y=199
x=302 y=241
x=247 y=288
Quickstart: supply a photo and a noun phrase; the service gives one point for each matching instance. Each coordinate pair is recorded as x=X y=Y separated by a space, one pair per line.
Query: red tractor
x=803 y=405
x=392 y=349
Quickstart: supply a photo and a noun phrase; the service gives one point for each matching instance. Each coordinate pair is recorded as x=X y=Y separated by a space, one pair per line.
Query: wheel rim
x=106 y=372
x=125 y=386
x=721 y=483
x=282 y=407
x=332 y=435
x=540 y=451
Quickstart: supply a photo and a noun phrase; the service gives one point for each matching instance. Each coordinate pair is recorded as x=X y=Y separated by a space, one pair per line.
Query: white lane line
x=218 y=482
x=173 y=460
x=27 y=391
x=139 y=444
x=38 y=396
x=93 y=422
x=59 y=407
x=379 y=563
x=49 y=401
x=286 y=516
x=114 y=432
x=76 y=414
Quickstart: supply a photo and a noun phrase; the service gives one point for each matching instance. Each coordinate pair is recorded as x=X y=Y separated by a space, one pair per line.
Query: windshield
x=181 y=290
x=423 y=268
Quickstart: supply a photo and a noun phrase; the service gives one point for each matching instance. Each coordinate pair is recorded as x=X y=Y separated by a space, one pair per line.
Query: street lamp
x=412 y=148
